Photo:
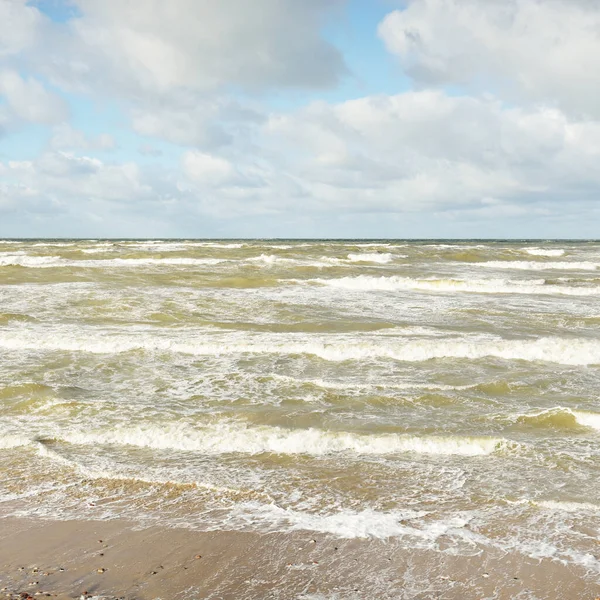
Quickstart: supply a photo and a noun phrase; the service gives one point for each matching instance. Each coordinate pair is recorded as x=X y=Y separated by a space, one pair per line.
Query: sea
x=443 y=394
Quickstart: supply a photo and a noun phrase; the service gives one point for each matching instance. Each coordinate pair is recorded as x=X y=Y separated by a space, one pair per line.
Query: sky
x=300 y=118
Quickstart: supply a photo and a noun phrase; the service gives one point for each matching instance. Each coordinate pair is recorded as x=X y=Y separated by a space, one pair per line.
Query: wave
x=558 y=417
x=364 y=385
x=588 y=419
x=8 y=441
x=478 y=286
x=166 y=246
x=370 y=257
x=526 y=265
x=45 y=450
x=367 y=523
x=231 y=437
x=20 y=317
x=571 y=507
x=270 y=259
x=95 y=250
x=547 y=349
x=376 y=245
x=551 y=252
x=49 y=262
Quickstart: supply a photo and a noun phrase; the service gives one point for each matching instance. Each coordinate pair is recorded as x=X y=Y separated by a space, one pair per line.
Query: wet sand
x=113 y=559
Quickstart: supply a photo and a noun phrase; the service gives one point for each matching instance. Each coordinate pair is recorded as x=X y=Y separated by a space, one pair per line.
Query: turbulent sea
x=444 y=394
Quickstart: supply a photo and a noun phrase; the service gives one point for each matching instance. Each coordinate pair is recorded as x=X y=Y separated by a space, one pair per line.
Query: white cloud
x=429 y=151
x=76 y=179
x=19 y=26
x=200 y=45
x=29 y=100
x=210 y=170
x=542 y=51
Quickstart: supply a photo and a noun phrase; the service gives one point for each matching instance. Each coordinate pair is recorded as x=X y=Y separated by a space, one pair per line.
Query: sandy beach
x=113 y=559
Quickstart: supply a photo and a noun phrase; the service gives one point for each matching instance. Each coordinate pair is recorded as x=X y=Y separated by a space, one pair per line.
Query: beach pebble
x=198 y=556
x=101 y=570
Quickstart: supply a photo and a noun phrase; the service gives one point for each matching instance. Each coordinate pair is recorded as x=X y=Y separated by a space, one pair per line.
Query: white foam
x=57 y=261
x=377 y=245
x=96 y=250
x=97 y=472
x=479 y=286
x=525 y=265
x=544 y=251
x=173 y=246
x=585 y=419
x=588 y=419
x=577 y=351
x=370 y=257
x=270 y=259
x=8 y=441
x=571 y=507
x=362 y=384
x=233 y=437
x=366 y=523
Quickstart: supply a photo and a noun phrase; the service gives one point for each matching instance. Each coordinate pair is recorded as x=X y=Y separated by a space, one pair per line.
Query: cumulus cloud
x=542 y=51
x=69 y=178
x=199 y=45
x=430 y=151
x=29 y=100
x=189 y=120
x=212 y=170
x=19 y=26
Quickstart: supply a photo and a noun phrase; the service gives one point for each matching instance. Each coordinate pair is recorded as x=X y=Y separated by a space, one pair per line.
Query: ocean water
x=444 y=394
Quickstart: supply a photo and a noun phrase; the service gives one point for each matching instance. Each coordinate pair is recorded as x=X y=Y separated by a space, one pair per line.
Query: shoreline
x=115 y=559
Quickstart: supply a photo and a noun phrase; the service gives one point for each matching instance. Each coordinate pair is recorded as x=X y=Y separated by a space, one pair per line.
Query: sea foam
x=525 y=265
x=479 y=286
x=49 y=262
x=233 y=437
x=371 y=257
x=553 y=252
x=577 y=351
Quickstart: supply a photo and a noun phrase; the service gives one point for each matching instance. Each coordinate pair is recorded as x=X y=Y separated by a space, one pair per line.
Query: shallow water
x=444 y=394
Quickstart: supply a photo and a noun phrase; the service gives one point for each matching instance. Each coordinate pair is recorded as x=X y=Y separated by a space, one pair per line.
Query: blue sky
x=326 y=118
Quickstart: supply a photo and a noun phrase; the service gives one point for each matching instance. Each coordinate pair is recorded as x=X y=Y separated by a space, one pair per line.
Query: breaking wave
x=56 y=261
x=528 y=265
x=231 y=437
x=479 y=286
x=544 y=251
x=371 y=257
x=547 y=349
x=560 y=418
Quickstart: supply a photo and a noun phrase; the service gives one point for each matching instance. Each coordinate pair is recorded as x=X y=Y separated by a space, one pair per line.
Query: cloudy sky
x=300 y=118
